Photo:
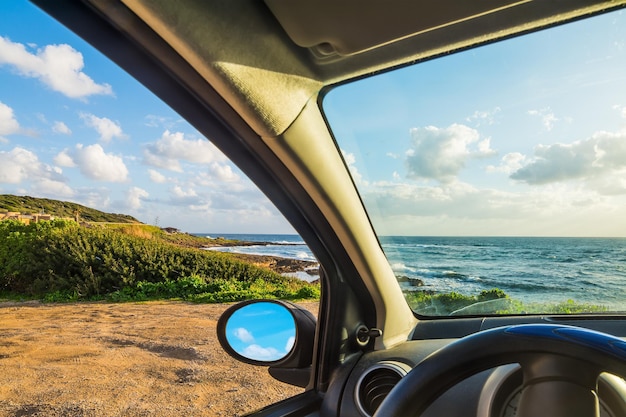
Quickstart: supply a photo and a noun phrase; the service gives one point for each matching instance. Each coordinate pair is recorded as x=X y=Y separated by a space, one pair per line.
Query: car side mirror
x=272 y=333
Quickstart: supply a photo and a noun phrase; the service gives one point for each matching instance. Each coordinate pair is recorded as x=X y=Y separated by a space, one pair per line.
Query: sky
x=524 y=137
x=75 y=127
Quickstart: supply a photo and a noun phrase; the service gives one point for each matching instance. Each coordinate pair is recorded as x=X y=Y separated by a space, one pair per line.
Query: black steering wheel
x=560 y=366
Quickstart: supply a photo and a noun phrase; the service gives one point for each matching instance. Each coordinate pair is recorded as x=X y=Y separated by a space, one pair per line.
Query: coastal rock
x=415 y=282
x=279 y=265
x=284 y=265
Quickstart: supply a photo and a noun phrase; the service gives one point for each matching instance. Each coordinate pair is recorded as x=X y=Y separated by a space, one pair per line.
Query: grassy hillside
x=59 y=209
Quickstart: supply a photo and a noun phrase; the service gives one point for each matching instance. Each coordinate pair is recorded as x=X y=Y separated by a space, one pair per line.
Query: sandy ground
x=141 y=359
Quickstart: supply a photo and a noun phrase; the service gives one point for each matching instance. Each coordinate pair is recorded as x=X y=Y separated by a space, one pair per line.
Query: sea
x=549 y=269
x=284 y=246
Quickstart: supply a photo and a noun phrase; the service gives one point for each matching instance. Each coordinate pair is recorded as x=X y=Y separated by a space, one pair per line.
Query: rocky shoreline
x=278 y=264
x=275 y=263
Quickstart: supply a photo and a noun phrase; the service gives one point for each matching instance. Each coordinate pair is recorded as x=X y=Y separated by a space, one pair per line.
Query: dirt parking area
x=139 y=359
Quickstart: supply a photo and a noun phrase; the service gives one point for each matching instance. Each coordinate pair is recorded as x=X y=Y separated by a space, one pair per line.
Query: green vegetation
x=62 y=261
x=180 y=239
x=493 y=301
x=59 y=209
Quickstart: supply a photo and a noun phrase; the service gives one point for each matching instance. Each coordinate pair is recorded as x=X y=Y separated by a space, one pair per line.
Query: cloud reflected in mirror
x=262 y=331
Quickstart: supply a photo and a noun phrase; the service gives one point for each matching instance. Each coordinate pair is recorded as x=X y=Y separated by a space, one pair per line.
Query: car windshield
x=495 y=177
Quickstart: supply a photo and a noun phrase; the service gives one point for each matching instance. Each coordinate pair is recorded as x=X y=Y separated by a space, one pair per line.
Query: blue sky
x=75 y=127
x=522 y=137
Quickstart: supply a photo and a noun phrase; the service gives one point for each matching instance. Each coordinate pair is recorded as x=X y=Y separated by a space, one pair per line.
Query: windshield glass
x=496 y=177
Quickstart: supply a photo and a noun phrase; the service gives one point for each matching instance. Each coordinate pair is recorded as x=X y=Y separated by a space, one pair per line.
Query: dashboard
x=503 y=389
x=492 y=393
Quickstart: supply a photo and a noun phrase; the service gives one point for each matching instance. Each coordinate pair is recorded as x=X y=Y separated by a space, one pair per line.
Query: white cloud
x=350 y=160
x=178 y=192
x=156 y=176
x=47 y=187
x=61 y=128
x=289 y=344
x=222 y=213
x=20 y=165
x=222 y=177
x=486 y=117
x=228 y=209
x=63 y=159
x=94 y=197
x=262 y=353
x=510 y=163
x=453 y=208
x=152 y=120
x=57 y=66
x=441 y=153
x=348 y=157
x=547 y=117
x=106 y=128
x=134 y=196
x=223 y=172
x=602 y=155
x=187 y=197
x=609 y=185
x=243 y=334
x=620 y=109
x=171 y=148
x=8 y=122
x=94 y=163
x=200 y=207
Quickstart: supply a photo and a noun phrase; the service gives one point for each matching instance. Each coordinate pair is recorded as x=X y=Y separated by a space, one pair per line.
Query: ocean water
x=589 y=270
x=286 y=246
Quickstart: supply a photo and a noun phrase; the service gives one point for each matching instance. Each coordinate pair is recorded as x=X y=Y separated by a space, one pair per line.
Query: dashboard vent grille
x=376 y=384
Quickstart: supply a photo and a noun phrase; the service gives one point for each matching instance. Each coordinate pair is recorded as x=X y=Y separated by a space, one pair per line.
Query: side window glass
x=124 y=234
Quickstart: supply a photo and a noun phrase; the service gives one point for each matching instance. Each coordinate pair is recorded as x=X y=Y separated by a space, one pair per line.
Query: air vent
x=376 y=383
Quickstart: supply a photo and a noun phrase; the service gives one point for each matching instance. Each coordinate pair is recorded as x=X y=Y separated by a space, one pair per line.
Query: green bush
x=65 y=262
x=492 y=294
x=444 y=304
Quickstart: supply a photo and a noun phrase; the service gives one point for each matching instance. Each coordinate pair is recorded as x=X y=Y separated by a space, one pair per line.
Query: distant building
x=25 y=218
x=38 y=217
x=10 y=215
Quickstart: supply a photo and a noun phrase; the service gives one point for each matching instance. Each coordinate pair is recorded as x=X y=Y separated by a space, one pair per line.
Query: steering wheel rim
x=592 y=352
